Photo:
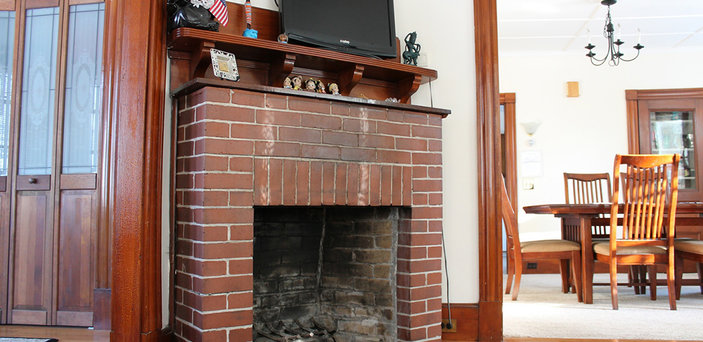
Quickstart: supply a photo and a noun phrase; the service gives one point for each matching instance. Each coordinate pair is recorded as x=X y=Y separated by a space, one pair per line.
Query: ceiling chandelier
x=613 y=55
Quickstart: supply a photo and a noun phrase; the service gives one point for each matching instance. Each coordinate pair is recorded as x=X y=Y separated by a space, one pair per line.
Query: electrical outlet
x=445 y=323
x=531 y=265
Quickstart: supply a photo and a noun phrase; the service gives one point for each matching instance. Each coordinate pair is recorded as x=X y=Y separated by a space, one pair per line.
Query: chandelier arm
x=631 y=59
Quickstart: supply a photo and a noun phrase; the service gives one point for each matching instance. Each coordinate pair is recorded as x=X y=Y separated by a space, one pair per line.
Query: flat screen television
x=361 y=27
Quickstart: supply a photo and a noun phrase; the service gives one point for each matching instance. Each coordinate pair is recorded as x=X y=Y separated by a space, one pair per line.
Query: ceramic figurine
x=333 y=88
x=297 y=82
x=282 y=38
x=321 y=87
x=310 y=85
x=287 y=83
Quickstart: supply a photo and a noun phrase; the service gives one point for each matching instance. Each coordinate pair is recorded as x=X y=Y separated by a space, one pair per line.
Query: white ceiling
x=553 y=26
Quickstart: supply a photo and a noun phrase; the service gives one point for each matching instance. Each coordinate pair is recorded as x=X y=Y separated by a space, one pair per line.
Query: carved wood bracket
x=408 y=87
x=350 y=78
x=279 y=70
x=200 y=59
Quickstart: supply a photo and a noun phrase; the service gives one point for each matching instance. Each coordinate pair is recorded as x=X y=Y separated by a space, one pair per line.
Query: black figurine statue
x=412 y=50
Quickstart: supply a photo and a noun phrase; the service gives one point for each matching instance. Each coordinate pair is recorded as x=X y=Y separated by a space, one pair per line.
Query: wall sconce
x=530 y=128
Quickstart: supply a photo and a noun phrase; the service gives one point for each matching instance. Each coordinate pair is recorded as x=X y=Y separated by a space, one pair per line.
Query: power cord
x=446 y=273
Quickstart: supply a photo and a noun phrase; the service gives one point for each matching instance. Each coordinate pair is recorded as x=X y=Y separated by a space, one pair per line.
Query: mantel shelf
x=281 y=60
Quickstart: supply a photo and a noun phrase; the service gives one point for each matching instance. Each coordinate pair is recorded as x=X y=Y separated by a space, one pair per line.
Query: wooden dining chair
x=688 y=250
x=586 y=188
x=567 y=252
x=649 y=194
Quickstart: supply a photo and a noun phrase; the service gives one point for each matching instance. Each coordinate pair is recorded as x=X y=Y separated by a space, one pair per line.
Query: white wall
x=581 y=134
x=445 y=31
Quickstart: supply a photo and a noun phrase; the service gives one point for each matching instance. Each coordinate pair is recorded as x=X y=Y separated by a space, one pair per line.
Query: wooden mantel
x=266 y=62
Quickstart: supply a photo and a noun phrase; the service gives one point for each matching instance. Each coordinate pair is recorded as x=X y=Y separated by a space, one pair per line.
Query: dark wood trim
x=633 y=141
x=465 y=318
x=3 y=183
x=197 y=83
x=490 y=319
x=136 y=40
x=665 y=94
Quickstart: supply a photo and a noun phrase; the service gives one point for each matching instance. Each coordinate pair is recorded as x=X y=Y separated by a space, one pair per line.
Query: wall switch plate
x=444 y=325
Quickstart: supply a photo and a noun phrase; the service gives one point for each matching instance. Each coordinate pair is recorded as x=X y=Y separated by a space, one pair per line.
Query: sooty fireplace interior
x=325 y=272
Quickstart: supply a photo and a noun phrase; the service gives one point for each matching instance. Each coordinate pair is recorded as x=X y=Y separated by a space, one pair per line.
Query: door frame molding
x=490 y=261
x=135 y=40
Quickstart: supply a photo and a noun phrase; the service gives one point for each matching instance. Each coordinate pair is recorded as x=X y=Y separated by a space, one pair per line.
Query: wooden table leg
x=586 y=258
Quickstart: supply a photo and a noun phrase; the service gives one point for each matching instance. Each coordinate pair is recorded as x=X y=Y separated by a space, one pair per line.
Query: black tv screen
x=361 y=27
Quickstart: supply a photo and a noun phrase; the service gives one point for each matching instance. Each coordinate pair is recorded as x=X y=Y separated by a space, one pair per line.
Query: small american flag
x=219 y=10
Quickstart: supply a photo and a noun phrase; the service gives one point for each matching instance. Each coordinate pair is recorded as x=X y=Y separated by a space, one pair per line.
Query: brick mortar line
x=228 y=329
x=215 y=242
x=308 y=159
x=288 y=110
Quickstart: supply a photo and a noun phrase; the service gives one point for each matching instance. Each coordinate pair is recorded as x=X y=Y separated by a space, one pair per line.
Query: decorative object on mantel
x=321 y=87
x=224 y=65
x=392 y=99
x=613 y=55
x=249 y=32
x=282 y=38
x=333 y=88
x=190 y=13
x=287 y=83
x=310 y=85
x=297 y=82
x=219 y=10
x=412 y=49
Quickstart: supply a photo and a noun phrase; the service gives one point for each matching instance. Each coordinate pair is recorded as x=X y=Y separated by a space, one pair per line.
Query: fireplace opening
x=325 y=273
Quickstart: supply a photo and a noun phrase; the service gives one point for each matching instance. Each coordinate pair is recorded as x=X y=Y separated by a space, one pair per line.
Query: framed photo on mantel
x=224 y=65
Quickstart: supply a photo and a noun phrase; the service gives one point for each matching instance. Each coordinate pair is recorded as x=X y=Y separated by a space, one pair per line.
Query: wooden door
x=54 y=162
x=672 y=123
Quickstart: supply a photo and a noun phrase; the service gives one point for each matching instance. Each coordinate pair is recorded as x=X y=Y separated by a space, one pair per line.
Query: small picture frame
x=224 y=65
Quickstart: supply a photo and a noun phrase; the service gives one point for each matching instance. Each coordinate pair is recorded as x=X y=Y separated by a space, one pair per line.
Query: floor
x=62 y=334
x=86 y=335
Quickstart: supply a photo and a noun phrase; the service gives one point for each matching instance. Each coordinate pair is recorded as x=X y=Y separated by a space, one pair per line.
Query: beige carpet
x=543 y=311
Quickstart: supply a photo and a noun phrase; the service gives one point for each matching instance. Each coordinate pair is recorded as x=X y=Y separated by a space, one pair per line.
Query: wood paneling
x=41 y=3
x=490 y=319
x=466 y=316
x=59 y=333
x=32 y=260
x=76 y=258
x=7 y=5
x=33 y=182
x=135 y=38
x=4 y=253
x=79 y=182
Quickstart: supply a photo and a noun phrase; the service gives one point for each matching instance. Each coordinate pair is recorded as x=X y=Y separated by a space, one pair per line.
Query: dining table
x=577 y=220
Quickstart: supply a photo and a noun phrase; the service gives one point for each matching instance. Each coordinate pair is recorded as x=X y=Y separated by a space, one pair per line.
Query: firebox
x=328 y=265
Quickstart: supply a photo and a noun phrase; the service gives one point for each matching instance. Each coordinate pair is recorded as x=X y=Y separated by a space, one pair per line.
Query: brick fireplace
x=257 y=171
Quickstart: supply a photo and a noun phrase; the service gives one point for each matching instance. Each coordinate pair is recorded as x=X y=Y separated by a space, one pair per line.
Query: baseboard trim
x=466 y=316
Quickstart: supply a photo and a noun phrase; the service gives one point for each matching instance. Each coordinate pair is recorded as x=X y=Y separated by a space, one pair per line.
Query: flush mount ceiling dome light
x=613 y=54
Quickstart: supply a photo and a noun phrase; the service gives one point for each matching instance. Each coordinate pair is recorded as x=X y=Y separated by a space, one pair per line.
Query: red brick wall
x=237 y=149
